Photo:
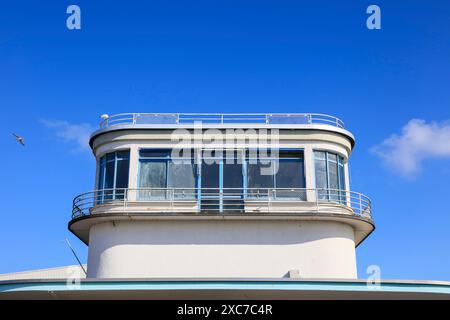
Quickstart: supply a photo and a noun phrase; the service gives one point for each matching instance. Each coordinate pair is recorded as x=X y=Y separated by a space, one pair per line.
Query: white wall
x=221 y=248
x=66 y=272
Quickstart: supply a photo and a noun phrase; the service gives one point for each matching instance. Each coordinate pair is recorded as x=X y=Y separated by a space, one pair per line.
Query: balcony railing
x=222 y=201
x=220 y=118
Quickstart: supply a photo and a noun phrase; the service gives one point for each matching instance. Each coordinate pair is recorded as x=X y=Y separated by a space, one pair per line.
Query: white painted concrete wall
x=258 y=248
x=66 y=272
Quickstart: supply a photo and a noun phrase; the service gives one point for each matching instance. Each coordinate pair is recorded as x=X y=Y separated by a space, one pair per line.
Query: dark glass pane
x=110 y=156
x=154 y=153
x=123 y=154
x=109 y=180
x=210 y=177
x=342 y=180
x=109 y=175
x=258 y=183
x=232 y=184
x=232 y=176
x=122 y=173
x=290 y=175
x=122 y=177
x=210 y=184
x=296 y=154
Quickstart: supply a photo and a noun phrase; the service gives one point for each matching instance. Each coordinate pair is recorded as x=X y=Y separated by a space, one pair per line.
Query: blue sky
x=229 y=56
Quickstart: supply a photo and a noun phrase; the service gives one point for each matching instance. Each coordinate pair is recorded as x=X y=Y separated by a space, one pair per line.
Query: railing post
x=125 y=199
x=360 y=204
x=317 y=199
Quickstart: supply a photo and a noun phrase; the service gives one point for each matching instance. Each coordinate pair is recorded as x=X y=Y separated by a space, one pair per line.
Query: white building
x=259 y=195
x=222 y=205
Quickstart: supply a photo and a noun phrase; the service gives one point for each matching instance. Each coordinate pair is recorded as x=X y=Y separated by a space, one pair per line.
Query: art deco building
x=219 y=206
x=222 y=196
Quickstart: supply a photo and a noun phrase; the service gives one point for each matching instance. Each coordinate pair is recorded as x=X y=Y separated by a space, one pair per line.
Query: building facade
x=222 y=196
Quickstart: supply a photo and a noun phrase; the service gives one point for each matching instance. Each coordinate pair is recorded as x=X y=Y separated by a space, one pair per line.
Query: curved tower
x=222 y=196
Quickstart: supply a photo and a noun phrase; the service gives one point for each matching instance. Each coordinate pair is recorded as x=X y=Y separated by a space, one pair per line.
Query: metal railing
x=222 y=201
x=220 y=118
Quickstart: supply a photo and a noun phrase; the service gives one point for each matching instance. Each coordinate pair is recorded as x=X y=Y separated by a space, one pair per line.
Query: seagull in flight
x=19 y=139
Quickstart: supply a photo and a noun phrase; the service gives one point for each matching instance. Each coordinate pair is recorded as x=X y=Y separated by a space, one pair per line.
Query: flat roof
x=172 y=121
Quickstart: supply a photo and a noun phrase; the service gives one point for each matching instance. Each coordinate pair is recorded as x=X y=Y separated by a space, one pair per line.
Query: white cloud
x=71 y=133
x=418 y=141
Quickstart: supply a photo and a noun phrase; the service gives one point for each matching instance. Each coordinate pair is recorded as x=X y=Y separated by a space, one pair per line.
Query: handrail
x=225 y=200
x=220 y=118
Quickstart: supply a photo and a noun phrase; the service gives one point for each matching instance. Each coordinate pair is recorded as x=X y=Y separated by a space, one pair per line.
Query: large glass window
x=161 y=177
x=260 y=176
x=330 y=176
x=280 y=177
x=113 y=175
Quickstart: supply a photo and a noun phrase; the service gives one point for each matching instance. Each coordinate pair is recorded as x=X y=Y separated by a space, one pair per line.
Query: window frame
x=280 y=159
x=166 y=159
x=245 y=158
x=341 y=175
x=101 y=177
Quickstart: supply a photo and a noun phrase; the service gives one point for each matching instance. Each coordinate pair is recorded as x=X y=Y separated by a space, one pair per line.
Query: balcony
x=222 y=201
x=220 y=119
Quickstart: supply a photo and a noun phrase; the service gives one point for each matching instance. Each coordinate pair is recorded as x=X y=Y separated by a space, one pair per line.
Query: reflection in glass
x=181 y=177
x=290 y=178
x=210 y=180
x=113 y=175
x=330 y=176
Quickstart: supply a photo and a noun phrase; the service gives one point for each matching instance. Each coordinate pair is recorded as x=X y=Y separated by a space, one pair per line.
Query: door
x=222 y=184
x=209 y=194
x=232 y=187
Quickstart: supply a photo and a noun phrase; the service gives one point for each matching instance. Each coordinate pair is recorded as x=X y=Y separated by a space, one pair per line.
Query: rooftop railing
x=219 y=118
x=222 y=201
